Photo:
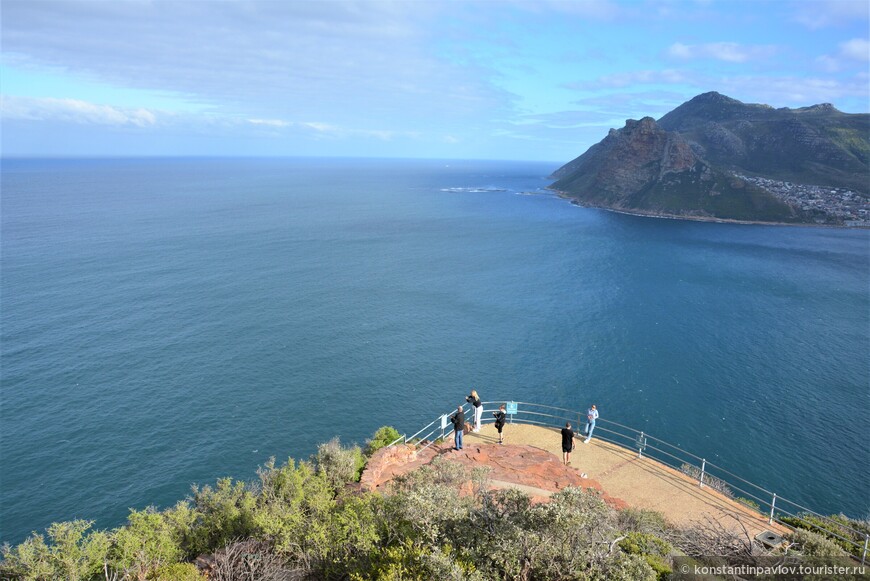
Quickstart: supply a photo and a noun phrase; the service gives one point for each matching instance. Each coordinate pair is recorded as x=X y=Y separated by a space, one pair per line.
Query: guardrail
x=706 y=473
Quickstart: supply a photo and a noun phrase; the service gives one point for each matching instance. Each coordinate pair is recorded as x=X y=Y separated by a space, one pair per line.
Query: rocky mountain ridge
x=713 y=157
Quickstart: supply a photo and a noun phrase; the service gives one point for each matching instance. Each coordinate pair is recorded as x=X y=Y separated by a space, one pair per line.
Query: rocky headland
x=714 y=157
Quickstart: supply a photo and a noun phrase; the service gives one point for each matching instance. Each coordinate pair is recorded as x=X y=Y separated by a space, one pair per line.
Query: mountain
x=717 y=157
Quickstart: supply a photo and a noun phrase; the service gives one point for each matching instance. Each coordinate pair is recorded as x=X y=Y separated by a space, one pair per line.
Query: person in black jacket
x=458 y=419
x=499 y=422
x=567 y=443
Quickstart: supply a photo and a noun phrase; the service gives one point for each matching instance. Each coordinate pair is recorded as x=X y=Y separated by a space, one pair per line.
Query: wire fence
x=774 y=507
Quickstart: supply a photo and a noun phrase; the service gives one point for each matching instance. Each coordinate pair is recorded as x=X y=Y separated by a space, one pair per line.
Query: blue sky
x=453 y=79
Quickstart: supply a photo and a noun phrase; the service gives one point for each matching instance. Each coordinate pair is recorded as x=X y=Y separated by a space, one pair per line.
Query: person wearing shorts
x=500 y=416
x=567 y=443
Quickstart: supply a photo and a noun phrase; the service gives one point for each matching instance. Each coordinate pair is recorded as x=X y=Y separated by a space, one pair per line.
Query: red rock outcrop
x=525 y=466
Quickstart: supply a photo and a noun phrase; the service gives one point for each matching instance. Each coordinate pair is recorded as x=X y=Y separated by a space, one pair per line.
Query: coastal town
x=828 y=204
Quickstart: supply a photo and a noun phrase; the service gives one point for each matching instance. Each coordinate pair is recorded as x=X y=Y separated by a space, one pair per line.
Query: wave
x=474 y=190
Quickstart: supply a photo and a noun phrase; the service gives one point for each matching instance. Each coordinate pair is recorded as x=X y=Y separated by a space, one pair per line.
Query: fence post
x=866 y=542
x=640 y=446
x=703 y=468
x=772 y=507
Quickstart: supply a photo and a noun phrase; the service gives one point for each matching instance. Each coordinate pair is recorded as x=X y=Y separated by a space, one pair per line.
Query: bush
x=178 y=572
x=840 y=525
x=749 y=502
x=339 y=465
x=711 y=481
x=248 y=559
x=224 y=513
x=623 y=567
x=72 y=553
x=408 y=560
x=300 y=521
x=641 y=521
x=292 y=511
x=815 y=545
x=383 y=437
x=654 y=551
x=145 y=545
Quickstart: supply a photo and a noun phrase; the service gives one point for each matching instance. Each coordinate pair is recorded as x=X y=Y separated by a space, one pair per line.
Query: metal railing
x=708 y=474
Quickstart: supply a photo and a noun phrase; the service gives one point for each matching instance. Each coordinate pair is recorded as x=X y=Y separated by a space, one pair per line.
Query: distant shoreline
x=568 y=197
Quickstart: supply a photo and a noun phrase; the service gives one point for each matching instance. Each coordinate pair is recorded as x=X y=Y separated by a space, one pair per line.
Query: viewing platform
x=628 y=467
x=637 y=481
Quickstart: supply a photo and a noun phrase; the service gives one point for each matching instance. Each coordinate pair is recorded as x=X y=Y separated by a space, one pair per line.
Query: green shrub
x=184 y=522
x=178 y=572
x=641 y=521
x=354 y=533
x=815 y=545
x=146 y=544
x=293 y=509
x=847 y=533
x=339 y=465
x=624 y=567
x=72 y=553
x=709 y=481
x=653 y=549
x=224 y=513
x=749 y=502
x=384 y=436
x=300 y=521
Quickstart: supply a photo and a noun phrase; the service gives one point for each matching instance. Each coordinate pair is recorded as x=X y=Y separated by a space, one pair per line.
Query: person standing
x=458 y=419
x=500 y=416
x=567 y=443
x=591 y=416
x=477 y=406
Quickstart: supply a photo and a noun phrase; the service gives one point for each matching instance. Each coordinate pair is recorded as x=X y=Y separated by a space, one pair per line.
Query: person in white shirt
x=591 y=416
x=477 y=406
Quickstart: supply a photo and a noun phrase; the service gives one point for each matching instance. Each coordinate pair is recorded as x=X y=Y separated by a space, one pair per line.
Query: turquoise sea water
x=169 y=322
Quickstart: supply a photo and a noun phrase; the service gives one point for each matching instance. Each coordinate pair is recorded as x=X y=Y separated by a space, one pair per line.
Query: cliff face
x=628 y=161
x=686 y=164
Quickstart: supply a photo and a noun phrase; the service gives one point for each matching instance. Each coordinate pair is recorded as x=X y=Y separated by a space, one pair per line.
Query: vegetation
x=307 y=520
x=846 y=533
x=383 y=437
x=716 y=484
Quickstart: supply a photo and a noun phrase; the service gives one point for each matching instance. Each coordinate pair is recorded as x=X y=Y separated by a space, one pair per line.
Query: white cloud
x=778 y=91
x=321 y=127
x=270 y=122
x=72 y=111
x=856 y=49
x=851 y=51
x=827 y=13
x=619 y=80
x=731 y=52
x=828 y=63
x=339 y=62
x=587 y=9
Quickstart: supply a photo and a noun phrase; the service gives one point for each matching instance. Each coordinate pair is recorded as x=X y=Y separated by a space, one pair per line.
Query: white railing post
x=866 y=542
x=640 y=446
x=703 y=468
x=772 y=507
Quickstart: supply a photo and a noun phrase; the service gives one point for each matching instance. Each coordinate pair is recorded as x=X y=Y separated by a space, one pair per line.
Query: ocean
x=173 y=321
